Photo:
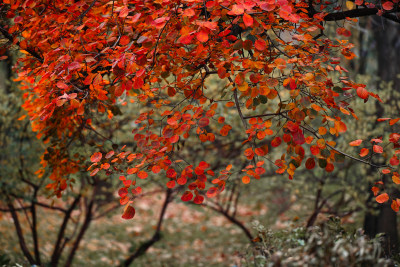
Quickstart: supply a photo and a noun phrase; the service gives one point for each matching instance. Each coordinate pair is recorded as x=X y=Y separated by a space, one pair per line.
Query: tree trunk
x=387 y=43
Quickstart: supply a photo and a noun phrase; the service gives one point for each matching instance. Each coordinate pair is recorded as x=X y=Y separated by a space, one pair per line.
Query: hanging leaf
x=382 y=198
x=129 y=213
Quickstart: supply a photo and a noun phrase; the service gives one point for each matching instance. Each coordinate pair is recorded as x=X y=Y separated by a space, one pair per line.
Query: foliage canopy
x=277 y=72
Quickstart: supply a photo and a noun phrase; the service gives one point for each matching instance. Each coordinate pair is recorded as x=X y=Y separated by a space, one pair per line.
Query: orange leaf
x=356 y=142
x=142 y=174
x=396 y=179
x=322 y=130
x=391 y=122
x=123 y=12
x=375 y=190
x=395 y=206
x=109 y=154
x=156 y=169
x=249 y=153
x=362 y=93
x=246 y=179
x=132 y=170
x=382 y=198
x=124 y=200
x=364 y=152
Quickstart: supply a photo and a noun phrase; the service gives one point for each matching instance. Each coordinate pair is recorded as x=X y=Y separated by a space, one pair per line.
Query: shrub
x=325 y=245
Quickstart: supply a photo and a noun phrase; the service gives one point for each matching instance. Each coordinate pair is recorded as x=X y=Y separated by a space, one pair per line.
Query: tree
x=278 y=75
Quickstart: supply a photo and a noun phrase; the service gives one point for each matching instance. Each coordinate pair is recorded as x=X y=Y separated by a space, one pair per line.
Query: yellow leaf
x=349 y=5
x=243 y=87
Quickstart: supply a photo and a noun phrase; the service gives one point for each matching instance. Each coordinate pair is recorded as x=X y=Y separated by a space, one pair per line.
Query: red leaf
x=394 y=161
x=124 y=200
x=276 y=141
x=129 y=213
x=364 y=152
x=122 y=192
x=261 y=151
x=212 y=192
x=202 y=36
x=362 y=93
x=382 y=198
x=156 y=169
x=96 y=157
x=198 y=199
x=298 y=137
x=142 y=174
x=249 y=153
x=74 y=65
x=310 y=163
x=203 y=122
x=138 y=83
x=171 y=184
x=375 y=190
x=181 y=180
x=18 y=19
x=378 y=149
x=248 y=20
x=387 y=5
x=260 y=45
x=187 y=196
x=314 y=150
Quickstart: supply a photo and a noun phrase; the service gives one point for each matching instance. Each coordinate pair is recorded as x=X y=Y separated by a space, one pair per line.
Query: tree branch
x=34 y=228
x=84 y=227
x=361 y=12
x=29 y=50
x=156 y=236
x=20 y=234
x=81 y=16
x=233 y=220
x=55 y=257
x=335 y=149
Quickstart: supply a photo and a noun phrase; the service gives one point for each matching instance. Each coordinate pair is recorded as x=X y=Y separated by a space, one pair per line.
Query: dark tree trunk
x=387 y=42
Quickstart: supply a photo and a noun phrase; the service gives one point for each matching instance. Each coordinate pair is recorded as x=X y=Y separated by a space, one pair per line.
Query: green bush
x=325 y=245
